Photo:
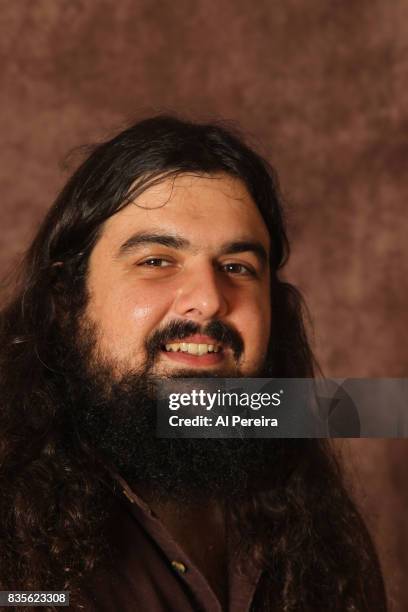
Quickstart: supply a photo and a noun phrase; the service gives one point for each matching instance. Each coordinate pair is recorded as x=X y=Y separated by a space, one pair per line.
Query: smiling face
x=190 y=250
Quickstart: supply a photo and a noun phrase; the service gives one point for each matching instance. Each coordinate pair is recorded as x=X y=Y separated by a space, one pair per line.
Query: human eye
x=155 y=262
x=239 y=269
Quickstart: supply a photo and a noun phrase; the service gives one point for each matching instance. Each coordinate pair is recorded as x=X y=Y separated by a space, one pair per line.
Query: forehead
x=201 y=207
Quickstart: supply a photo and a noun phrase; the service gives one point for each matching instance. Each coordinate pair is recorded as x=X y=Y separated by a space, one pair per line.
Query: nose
x=200 y=296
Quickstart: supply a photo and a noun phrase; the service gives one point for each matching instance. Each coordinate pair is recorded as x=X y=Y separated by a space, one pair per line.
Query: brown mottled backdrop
x=319 y=85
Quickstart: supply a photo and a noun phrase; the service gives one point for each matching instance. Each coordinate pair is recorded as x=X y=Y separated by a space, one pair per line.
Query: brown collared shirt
x=148 y=571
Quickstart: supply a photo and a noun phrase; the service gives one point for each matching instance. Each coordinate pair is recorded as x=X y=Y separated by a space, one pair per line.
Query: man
x=161 y=259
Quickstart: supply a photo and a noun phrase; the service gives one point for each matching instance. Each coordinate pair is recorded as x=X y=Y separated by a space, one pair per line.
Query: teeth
x=192 y=348
x=202 y=349
x=172 y=347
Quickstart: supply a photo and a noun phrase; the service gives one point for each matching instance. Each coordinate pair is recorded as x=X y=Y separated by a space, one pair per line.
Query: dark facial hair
x=117 y=418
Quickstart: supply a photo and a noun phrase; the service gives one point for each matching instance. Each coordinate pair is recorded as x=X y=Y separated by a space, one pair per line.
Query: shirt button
x=179 y=567
x=126 y=494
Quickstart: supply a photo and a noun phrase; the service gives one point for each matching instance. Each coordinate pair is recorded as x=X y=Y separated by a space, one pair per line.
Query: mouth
x=194 y=351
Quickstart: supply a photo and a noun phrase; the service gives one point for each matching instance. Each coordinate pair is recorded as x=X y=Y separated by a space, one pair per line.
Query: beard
x=116 y=417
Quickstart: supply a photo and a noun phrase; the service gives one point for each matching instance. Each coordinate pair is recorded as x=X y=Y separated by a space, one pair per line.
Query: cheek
x=260 y=336
x=255 y=326
x=146 y=307
x=141 y=314
x=127 y=320
x=261 y=327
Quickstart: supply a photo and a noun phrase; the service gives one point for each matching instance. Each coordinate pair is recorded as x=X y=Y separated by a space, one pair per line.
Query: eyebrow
x=243 y=246
x=177 y=242
x=142 y=238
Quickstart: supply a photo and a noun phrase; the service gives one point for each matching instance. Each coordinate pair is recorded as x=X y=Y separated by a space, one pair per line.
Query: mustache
x=178 y=330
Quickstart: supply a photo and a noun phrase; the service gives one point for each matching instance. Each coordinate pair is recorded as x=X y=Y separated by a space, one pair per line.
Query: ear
x=56 y=275
x=60 y=291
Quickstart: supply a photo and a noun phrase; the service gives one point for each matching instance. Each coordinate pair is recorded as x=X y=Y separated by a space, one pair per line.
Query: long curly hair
x=303 y=529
